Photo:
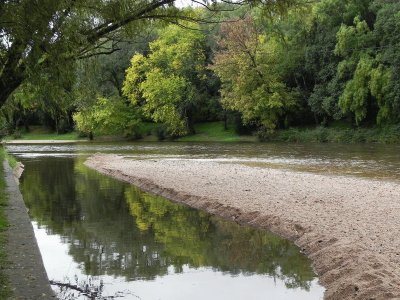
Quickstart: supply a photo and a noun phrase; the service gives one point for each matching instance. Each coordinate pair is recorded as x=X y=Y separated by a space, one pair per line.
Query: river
x=114 y=240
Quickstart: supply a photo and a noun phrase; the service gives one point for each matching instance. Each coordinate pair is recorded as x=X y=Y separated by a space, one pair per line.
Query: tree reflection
x=114 y=228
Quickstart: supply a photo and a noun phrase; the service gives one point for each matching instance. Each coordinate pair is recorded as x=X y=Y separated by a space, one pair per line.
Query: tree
x=369 y=66
x=107 y=116
x=38 y=35
x=166 y=84
x=321 y=59
x=42 y=35
x=251 y=82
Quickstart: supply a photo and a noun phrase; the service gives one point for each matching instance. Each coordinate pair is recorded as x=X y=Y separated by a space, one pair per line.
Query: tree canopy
x=260 y=67
x=166 y=84
x=45 y=35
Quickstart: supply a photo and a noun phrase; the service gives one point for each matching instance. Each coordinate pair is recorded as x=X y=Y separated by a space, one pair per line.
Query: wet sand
x=348 y=226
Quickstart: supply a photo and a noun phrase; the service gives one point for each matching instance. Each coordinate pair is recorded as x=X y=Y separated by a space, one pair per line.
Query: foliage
x=107 y=116
x=45 y=37
x=282 y=64
x=166 y=84
x=247 y=67
x=39 y=37
x=369 y=92
x=35 y=135
x=215 y=132
x=383 y=135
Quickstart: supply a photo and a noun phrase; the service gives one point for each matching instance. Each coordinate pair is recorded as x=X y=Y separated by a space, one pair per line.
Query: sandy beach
x=348 y=226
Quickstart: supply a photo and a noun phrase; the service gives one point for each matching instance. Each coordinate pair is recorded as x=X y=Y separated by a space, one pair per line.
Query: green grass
x=41 y=133
x=47 y=136
x=215 y=132
x=4 y=290
x=382 y=135
x=10 y=158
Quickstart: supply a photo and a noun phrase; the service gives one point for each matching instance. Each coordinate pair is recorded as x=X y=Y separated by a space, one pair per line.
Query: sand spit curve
x=348 y=226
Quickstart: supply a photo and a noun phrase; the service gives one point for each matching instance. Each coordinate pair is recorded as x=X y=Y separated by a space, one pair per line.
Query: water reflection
x=145 y=246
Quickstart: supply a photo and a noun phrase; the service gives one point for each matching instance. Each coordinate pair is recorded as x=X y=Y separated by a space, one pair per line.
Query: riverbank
x=40 y=142
x=345 y=135
x=215 y=132
x=347 y=225
x=24 y=273
x=4 y=281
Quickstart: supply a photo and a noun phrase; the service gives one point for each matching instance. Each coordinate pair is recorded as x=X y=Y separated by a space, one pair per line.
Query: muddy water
x=109 y=239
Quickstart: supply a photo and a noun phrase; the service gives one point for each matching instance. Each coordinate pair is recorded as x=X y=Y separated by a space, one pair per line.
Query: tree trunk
x=7 y=87
x=225 y=120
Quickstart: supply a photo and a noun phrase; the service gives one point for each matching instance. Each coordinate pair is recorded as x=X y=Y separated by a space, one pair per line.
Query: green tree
x=321 y=60
x=166 y=84
x=37 y=36
x=247 y=65
x=46 y=35
x=370 y=92
x=107 y=116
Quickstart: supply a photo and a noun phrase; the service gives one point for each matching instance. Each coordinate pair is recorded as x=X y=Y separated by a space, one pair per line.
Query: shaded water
x=98 y=233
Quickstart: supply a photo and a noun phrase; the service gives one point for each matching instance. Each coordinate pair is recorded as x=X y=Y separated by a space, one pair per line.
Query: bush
x=384 y=135
x=161 y=132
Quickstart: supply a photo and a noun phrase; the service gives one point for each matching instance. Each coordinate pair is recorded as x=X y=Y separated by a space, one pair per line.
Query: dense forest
x=259 y=70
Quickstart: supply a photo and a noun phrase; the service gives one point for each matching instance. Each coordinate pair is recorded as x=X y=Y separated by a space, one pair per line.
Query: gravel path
x=348 y=226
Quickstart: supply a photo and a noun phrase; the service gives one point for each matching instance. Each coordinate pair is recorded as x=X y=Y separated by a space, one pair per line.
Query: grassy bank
x=337 y=133
x=4 y=291
x=40 y=133
x=215 y=132
x=384 y=135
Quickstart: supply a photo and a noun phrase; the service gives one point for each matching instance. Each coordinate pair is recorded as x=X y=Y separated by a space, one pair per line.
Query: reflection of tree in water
x=198 y=239
x=94 y=213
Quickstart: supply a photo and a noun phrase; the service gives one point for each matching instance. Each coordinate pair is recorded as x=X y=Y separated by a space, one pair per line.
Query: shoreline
x=40 y=142
x=25 y=270
x=337 y=221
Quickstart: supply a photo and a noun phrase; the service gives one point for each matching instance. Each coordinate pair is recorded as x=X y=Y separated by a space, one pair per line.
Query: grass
x=338 y=132
x=40 y=133
x=11 y=160
x=215 y=132
x=382 y=135
x=51 y=136
x=4 y=290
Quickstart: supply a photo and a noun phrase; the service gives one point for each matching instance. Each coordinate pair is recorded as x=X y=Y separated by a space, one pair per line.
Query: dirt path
x=348 y=226
x=28 y=278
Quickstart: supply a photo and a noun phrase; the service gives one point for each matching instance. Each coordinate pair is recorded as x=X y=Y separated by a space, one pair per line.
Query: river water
x=115 y=241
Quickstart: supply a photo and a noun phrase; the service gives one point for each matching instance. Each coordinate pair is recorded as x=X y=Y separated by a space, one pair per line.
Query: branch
x=98 y=53
x=212 y=9
x=108 y=27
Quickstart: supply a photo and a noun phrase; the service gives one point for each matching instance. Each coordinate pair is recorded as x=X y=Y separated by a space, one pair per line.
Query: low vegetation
x=42 y=133
x=215 y=132
x=383 y=135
